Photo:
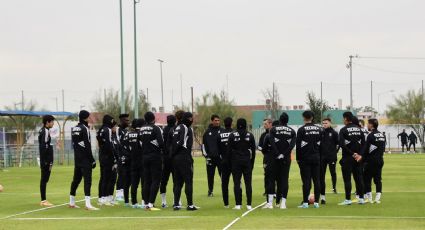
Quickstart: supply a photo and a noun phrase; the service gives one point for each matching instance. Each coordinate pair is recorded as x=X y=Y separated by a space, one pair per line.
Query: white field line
x=40 y=209
x=103 y=218
x=243 y=215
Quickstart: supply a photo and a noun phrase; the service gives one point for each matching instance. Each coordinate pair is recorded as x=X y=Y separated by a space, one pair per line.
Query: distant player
x=124 y=177
x=211 y=152
x=242 y=153
x=46 y=157
x=413 y=140
x=264 y=146
x=373 y=161
x=84 y=160
x=351 y=140
x=403 y=138
x=328 y=156
x=166 y=158
x=309 y=138
x=226 y=167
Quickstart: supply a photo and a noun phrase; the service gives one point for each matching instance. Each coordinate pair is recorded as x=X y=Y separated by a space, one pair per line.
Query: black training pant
x=402 y=146
x=310 y=171
x=332 y=169
x=183 y=175
x=241 y=167
x=373 y=170
x=410 y=146
x=167 y=168
x=349 y=167
x=136 y=179
x=124 y=172
x=79 y=174
x=269 y=175
x=281 y=174
x=226 y=172
x=106 y=180
x=152 y=170
x=212 y=163
x=45 y=175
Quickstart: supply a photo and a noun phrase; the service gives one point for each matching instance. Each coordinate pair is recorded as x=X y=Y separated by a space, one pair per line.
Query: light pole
x=379 y=95
x=136 y=90
x=162 y=85
x=122 y=62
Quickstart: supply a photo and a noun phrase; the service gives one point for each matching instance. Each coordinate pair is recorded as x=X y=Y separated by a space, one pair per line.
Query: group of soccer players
x=145 y=154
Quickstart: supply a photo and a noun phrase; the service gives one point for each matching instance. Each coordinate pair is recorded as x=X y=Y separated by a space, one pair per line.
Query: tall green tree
x=208 y=104
x=408 y=109
x=317 y=106
x=109 y=102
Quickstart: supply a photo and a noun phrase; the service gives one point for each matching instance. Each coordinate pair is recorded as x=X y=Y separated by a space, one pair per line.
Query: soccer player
x=309 y=137
x=413 y=139
x=403 y=137
x=124 y=177
x=46 y=156
x=107 y=160
x=328 y=156
x=183 y=162
x=242 y=154
x=84 y=161
x=226 y=168
x=166 y=158
x=132 y=145
x=211 y=152
x=373 y=161
x=268 y=161
x=152 y=147
x=351 y=140
x=282 y=140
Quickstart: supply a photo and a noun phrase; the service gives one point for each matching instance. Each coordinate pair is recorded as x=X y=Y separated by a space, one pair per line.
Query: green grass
x=402 y=207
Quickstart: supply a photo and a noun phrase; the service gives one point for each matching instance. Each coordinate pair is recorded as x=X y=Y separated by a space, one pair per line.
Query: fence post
x=4 y=147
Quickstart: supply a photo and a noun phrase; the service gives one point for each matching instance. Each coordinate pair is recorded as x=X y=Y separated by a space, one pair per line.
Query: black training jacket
x=309 y=137
x=152 y=141
x=351 y=140
x=224 y=144
x=45 y=147
x=264 y=145
x=330 y=145
x=182 y=141
x=374 y=147
x=282 y=140
x=242 y=147
x=81 y=141
x=106 y=146
x=132 y=145
x=210 y=142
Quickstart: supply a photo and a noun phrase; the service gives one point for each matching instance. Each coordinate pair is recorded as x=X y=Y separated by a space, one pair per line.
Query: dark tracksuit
x=268 y=163
x=413 y=139
x=152 y=147
x=132 y=145
x=83 y=158
x=124 y=164
x=226 y=167
x=351 y=140
x=242 y=155
x=46 y=159
x=107 y=160
x=210 y=150
x=309 y=138
x=328 y=156
x=282 y=140
x=166 y=158
x=182 y=163
x=403 y=137
x=373 y=158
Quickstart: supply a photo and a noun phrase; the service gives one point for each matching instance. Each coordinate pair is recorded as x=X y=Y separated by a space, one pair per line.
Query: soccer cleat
x=45 y=203
x=237 y=207
x=249 y=207
x=226 y=206
x=277 y=205
x=355 y=200
x=268 y=206
x=377 y=201
x=346 y=202
x=91 y=208
x=73 y=206
x=152 y=209
x=210 y=194
x=334 y=191
x=367 y=200
x=164 y=205
x=126 y=205
x=323 y=202
x=107 y=203
x=304 y=205
x=177 y=208
x=361 y=201
x=282 y=205
x=192 y=208
x=316 y=205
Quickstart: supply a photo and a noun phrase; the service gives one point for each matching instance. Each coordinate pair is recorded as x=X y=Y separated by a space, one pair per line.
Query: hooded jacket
x=182 y=140
x=241 y=144
x=81 y=142
x=105 y=141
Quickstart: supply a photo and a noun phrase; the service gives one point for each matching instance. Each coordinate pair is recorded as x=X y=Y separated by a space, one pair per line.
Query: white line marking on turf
x=243 y=215
x=103 y=218
x=40 y=209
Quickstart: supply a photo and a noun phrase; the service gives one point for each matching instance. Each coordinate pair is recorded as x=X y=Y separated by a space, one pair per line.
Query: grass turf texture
x=402 y=207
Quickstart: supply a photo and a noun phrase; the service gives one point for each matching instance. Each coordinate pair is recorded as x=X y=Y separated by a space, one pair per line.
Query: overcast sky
x=49 y=45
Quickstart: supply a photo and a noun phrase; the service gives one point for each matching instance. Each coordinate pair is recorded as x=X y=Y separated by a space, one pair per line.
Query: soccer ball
x=1 y=188
x=311 y=199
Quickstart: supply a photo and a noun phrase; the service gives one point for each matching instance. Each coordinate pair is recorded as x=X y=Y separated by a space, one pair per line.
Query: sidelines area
x=102 y=218
x=243 y=215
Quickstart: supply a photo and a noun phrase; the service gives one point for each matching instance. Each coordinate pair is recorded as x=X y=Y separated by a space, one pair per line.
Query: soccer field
x=402 y=207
